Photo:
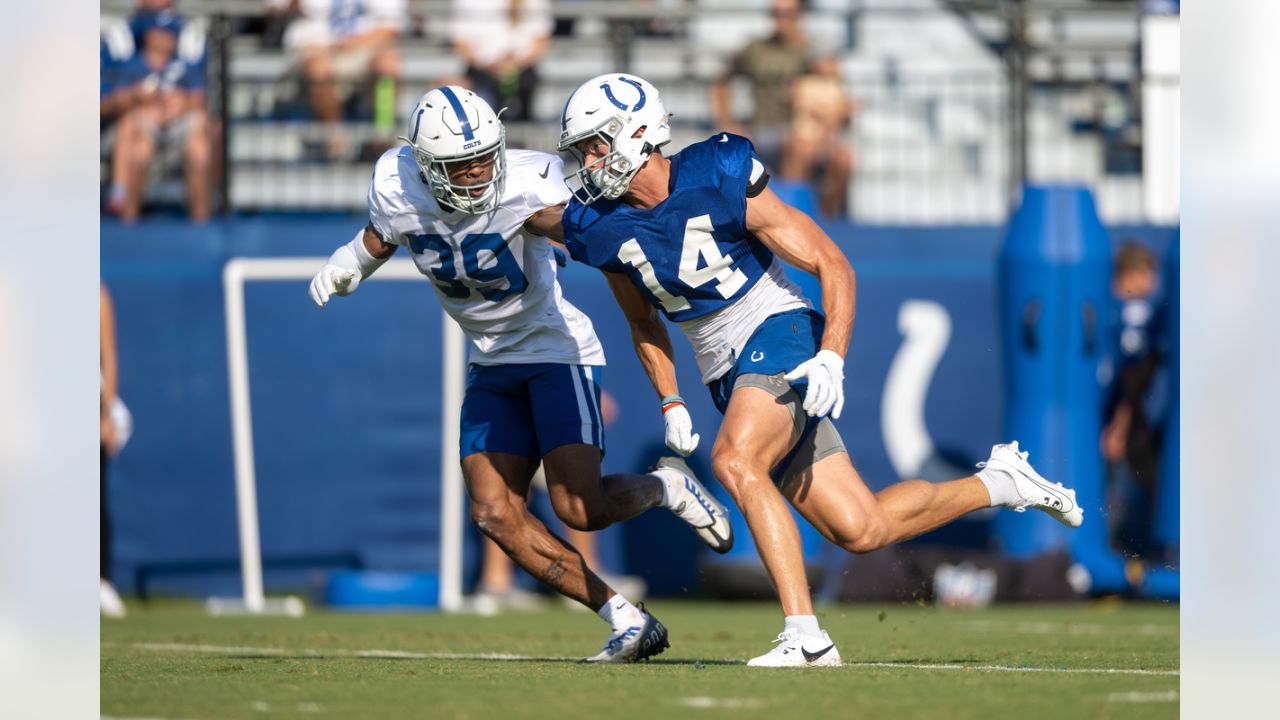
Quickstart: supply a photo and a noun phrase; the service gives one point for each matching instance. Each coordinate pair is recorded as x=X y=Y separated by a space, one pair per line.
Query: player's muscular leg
x=756 y=433
x=586 y=501
x=832 y=496
x=498 y=484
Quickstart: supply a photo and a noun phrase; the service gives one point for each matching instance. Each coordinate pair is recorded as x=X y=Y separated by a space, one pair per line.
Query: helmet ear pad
x=449 y=125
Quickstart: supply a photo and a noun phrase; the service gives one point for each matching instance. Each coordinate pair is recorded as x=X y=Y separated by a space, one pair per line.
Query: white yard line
x=302 y=707
x=277 y=651
x=1016 y=668
x=1144 y=697
x=731 y=703
x=402 y=654
x=117 y=717
x=1056 y=628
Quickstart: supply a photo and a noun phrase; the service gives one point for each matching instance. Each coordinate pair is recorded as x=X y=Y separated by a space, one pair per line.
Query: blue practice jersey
x=176 y=74
x=121 y=56
x=692 y=254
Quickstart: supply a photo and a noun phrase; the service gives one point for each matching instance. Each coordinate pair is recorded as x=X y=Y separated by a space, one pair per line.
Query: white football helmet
x=452 y=124
x=613 y=107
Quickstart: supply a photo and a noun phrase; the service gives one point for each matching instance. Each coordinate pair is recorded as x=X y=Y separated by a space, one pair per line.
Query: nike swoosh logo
x=724 y=545
x=1063 y=498
x=545 y=170
x=591 y=112
x=811 y=656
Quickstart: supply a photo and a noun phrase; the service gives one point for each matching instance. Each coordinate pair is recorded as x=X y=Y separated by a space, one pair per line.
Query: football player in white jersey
x=476 y=218
x=699 y=237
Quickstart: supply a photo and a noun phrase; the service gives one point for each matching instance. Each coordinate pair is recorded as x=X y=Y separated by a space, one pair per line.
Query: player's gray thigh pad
x=777 y=386
x=824 y=441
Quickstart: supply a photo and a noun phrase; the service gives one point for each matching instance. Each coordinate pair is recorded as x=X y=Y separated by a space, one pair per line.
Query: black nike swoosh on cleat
x=812 y=656
x=723 y=544
x=545 y=170
x=1062 y=497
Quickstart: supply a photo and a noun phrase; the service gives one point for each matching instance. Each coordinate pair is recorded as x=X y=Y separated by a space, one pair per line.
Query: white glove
x=333 y=280
x=680 y=436
x=825 y=372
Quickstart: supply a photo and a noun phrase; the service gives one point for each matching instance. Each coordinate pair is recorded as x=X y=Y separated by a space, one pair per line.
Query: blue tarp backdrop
x=346 y=406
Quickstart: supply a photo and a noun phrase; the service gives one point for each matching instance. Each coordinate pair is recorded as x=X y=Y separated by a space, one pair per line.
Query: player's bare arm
x=653 y=347
x=546 y=222
x=648 y=335
x=377 y=247
x=798 y=240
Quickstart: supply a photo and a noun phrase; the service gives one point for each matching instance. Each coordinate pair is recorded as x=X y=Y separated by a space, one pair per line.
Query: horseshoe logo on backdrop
x=608 y=93
x=926 y=331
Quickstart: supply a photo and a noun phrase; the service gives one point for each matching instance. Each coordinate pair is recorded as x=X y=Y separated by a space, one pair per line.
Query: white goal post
x=235 y=274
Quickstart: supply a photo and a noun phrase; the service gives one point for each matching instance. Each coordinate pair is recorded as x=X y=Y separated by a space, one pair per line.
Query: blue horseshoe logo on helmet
x=417 y=122
x=608 y=93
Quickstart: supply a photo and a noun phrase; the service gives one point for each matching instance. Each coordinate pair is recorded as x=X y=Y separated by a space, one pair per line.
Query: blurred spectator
x=816 y=148
x=769 y=65
x=1161 y=7
x=116 y=46
x=501 y=42
x=343 y=45
x=1130 y=436
x=114 y=425
x=156 y=86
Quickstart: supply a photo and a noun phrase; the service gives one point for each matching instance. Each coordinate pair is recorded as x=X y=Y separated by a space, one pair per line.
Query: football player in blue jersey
x=697 y=237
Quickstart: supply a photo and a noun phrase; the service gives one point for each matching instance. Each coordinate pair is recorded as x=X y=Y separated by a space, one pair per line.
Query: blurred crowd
x=347 y=57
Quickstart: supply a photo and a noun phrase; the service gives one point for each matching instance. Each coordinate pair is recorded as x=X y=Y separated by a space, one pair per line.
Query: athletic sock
x=1000 y=486
x=670 y=486
x=803 y=624
x=620 y=613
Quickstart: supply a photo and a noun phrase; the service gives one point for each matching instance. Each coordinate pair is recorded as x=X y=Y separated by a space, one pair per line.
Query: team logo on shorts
x=757 y=356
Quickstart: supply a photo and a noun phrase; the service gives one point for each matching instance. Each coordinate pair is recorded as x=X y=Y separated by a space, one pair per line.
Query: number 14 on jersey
x=699 y=249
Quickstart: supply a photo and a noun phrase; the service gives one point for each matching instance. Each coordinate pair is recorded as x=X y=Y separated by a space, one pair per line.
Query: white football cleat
x=1058 y=501
x=796 y=650
x=697 y=507
x=633 y=643
x=109 y=602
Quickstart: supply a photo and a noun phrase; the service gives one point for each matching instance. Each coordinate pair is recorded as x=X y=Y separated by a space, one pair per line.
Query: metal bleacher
x=931 y=136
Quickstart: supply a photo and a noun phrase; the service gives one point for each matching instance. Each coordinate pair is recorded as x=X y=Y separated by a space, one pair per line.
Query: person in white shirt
x=338 y=44
x=502 y=41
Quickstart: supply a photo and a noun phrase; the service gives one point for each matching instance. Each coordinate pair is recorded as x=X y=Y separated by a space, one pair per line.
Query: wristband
x=671 y=401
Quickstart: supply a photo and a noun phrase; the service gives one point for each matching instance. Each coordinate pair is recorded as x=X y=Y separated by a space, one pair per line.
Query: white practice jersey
x=719 y=337
x=493 y=277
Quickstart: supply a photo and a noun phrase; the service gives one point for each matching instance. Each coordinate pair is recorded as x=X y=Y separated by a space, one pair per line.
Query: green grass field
x=1106 y=660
